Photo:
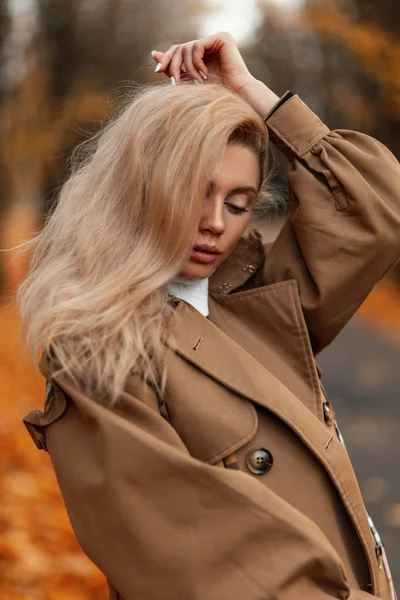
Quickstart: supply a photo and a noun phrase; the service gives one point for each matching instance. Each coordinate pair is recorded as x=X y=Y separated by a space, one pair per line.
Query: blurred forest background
x=62 y=65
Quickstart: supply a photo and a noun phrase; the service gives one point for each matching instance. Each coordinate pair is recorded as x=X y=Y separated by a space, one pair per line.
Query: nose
x=213 y=217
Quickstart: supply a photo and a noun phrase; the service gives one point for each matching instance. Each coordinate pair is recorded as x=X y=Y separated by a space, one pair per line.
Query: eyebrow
x=239 y=190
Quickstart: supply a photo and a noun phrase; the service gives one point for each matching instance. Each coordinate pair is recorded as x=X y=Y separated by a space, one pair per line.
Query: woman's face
x=231 y=194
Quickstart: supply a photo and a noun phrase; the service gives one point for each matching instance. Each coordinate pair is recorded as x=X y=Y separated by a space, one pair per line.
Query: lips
x=207 y=248
x=204 y=254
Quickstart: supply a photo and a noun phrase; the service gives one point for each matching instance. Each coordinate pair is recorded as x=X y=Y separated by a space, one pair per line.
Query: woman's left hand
x=216 y=54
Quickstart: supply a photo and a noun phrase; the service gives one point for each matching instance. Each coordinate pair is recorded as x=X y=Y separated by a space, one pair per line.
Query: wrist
x=259 y=96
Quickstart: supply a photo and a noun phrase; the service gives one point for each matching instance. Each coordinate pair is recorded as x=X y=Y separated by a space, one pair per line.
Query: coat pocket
x=54 y=407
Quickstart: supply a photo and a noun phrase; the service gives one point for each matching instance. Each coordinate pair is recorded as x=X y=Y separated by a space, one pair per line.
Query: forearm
x=259 y=96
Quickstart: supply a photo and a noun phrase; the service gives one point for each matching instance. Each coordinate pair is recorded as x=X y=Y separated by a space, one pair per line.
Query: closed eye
x=235 y=209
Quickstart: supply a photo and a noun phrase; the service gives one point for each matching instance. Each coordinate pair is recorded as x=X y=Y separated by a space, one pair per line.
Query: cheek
x=235 y=228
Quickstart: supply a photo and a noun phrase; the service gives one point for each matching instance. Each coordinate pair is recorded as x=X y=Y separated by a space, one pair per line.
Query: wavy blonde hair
x=95 y=291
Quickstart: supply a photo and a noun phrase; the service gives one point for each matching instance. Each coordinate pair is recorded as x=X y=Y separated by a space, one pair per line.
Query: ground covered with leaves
x=40 y=558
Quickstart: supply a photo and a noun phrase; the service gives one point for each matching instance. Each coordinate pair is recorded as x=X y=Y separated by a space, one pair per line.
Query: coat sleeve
x=343 y=231
x=162 y=525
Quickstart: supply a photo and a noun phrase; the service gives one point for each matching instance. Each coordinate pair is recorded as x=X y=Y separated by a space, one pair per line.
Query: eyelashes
x=236 y=209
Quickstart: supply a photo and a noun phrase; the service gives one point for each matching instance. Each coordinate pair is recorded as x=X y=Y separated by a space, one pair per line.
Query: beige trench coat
x=164 y=497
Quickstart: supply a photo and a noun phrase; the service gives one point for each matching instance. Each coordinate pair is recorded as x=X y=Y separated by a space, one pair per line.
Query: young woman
x=194 y=448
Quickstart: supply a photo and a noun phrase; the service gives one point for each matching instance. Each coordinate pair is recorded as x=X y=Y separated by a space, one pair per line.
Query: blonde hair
x=95 y=292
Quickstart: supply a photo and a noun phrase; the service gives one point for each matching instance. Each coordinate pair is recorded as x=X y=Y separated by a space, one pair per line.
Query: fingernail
x=153 y=52
x=158 y=67
x=195 y=81
x=204 y=76
x=173 y=82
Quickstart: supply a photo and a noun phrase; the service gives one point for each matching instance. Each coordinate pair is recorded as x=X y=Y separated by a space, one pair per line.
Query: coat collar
x=246 y=257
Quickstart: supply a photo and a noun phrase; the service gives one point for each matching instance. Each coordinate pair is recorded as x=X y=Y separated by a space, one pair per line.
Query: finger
x=211 y=45
x=163 y=61
x=157 y=55
x=175 y=67
x=197 y=57
x=190 y=68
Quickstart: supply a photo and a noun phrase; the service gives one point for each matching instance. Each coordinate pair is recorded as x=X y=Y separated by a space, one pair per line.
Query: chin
x=198 y=270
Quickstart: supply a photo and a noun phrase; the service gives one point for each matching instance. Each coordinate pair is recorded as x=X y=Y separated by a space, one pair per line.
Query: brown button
x=259 y=461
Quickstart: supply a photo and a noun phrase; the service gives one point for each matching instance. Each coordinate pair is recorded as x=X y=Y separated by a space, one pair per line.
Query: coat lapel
x=244 y=260
x=205 y=345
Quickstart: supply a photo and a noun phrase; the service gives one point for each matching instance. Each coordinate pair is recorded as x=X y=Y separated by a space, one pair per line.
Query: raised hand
x=216 y=54
x=219 y=56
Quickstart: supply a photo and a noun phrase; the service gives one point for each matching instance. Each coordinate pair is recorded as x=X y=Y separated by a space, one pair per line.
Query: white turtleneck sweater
x=193 y=291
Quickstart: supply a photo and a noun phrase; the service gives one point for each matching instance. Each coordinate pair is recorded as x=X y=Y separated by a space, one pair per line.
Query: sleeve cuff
x=288 y=94
x=293 y=124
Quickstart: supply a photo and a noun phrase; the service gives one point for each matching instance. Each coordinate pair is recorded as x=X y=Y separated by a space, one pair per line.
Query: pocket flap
x=211 y=419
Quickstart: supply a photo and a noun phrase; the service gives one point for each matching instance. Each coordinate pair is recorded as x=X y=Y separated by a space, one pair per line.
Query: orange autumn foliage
x=382 y=308
x=377 y=52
